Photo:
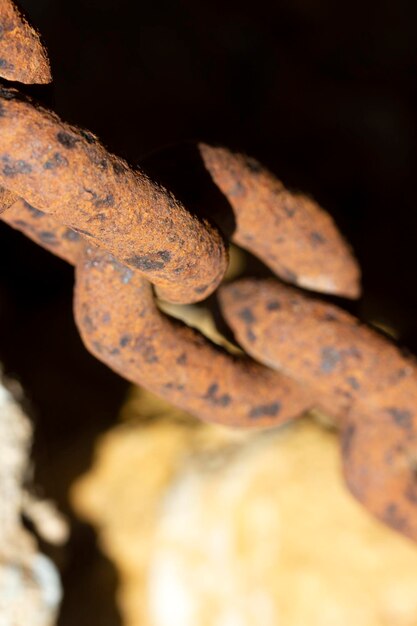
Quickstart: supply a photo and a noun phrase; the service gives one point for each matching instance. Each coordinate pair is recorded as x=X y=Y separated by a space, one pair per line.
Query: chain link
x=125 y=233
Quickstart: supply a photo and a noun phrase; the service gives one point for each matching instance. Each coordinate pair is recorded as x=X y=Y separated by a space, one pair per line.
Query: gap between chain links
x=125 y=232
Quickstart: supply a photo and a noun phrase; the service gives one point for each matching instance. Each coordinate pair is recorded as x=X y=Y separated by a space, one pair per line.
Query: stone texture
x=210 y=527
x=30 y=589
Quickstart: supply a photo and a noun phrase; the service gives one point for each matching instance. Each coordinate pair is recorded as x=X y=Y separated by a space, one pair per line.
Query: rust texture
x=45 y=230
x=7 y=198
x=22 y=56
x=287 y=231
x=369 y=382
x=171 y=359
x=124 y=232
x=22 y=59
x=147 y=347
x=70 y=175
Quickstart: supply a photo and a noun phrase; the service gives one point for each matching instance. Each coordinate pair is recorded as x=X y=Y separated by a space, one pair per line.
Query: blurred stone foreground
x=213 y=527
x=30 y=589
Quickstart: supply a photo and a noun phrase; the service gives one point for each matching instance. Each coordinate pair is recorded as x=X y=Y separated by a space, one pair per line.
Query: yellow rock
x=210 y=527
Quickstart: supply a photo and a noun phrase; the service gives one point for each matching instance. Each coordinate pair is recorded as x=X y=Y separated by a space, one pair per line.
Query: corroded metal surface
x=317 y=343
x=125 y=232
x=22 y=59
x=369 y=382
x=150 y=349
x=171 y=359
x=45 y=230
x=22 y=56
x=7 y=198
x=380 y=463
x=287 y=231
x=70 y=175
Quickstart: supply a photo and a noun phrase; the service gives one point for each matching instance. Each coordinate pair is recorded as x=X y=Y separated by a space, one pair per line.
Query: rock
x=30 y=588
x=213 y=527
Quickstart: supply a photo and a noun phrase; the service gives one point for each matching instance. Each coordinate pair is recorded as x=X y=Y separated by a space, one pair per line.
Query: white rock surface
x=30 y=588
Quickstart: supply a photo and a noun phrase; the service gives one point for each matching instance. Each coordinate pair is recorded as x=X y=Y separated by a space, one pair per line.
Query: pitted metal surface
x=22 y=55
x=125 y=232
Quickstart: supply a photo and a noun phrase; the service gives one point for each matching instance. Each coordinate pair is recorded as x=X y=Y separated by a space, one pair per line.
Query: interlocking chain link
x=125 y=233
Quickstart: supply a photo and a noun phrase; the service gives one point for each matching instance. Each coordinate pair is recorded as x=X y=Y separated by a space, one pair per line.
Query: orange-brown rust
x=318 y=355
x=366 y=378
x=325 y=357
x=7 y=198
x=45 y=230
x=145 y=346
x=380 y=464
x=66 y=172
x=315 y=342
x=22 y=56
x=288 y=231
x=22 y=59
x=136 y=340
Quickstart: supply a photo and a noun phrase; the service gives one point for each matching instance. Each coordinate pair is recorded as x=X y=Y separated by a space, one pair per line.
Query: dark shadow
x=90 y=583
x=181 y=169
x=71 y=398
x=329 y=108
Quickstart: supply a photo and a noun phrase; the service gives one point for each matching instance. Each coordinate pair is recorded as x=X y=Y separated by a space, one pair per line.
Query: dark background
x=325 y=97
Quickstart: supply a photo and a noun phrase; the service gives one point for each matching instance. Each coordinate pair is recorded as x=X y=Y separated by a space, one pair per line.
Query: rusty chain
x=125 y=234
